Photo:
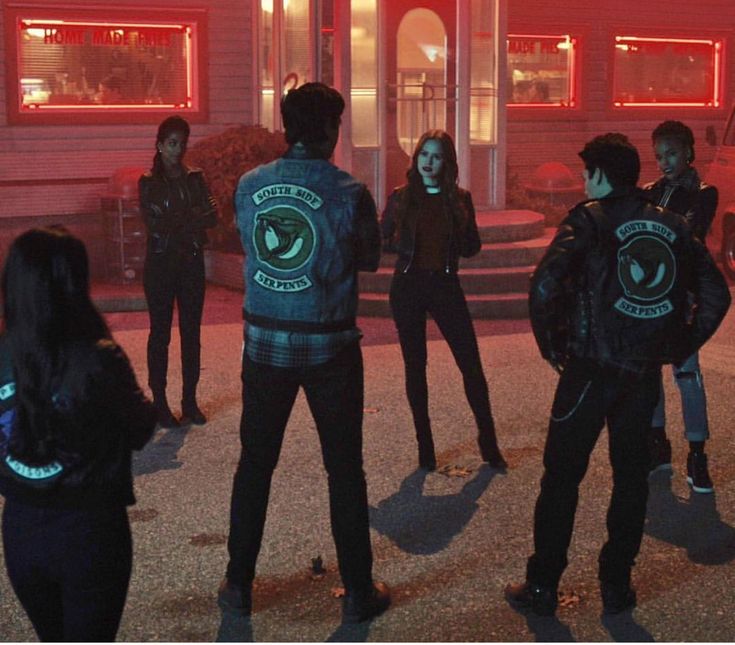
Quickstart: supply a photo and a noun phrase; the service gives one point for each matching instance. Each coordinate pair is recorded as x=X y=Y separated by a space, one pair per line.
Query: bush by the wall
x=224 y=158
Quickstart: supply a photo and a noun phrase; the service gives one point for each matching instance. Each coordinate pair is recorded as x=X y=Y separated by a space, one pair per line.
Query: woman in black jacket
x=177 y=208
x=71 y=412
x=430 y=222
x=681 y=190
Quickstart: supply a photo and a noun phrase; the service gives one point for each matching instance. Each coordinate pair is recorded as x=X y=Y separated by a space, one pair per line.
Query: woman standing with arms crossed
x=680 y=189
x=430 y=222
x=71 y=412
x=177 y=208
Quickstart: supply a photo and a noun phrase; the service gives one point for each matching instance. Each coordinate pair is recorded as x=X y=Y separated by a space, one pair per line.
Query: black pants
x=587 y=396
x=69 y=568
x=170 y=277
x=334 y=392
x=412 y=296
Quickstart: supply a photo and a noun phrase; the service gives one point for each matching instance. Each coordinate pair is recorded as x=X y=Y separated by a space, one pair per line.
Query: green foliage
x=224 y=158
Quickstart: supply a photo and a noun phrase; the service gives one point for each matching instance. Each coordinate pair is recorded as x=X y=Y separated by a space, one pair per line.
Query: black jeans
x=170 y=277
x=334 y=392
x=588 y=395
x=412 y=296
x=69 y=568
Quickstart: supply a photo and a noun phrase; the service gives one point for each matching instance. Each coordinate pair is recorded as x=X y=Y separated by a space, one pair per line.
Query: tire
x=728 y=249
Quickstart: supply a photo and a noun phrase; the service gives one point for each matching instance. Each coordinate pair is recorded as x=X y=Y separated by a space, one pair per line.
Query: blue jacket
x=307 y=228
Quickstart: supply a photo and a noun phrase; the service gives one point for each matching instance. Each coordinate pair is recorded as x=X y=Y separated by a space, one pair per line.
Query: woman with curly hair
x=681 y=190
x=430 y=222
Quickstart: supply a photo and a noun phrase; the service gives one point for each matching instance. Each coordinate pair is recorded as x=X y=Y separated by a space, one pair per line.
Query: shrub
x=224 y=158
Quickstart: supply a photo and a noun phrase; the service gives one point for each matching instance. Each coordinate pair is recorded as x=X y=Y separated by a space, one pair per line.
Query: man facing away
x=610 y=302
x=307 y=228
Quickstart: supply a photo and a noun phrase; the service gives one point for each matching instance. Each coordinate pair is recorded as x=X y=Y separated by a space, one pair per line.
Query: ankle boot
x=166 y=419
x=489 y=450
x=191 y=414
x=427 y=458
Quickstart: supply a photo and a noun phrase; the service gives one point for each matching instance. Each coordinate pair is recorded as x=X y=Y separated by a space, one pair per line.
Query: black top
x=104 y=416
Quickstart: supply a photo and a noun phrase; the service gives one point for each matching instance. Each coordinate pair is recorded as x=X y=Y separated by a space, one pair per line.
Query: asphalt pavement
x=445 y=542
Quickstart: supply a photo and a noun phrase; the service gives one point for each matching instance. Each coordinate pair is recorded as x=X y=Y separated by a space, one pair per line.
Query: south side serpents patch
x=646 y=269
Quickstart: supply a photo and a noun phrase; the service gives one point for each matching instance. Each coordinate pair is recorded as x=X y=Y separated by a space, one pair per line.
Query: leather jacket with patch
x=625 y=283
x=689 y=196
x=400 y=236
x=176 y=211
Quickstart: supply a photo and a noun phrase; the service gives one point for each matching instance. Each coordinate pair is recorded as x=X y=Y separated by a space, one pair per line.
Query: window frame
x=718 y=103
x=107 y=16
x=574 y=64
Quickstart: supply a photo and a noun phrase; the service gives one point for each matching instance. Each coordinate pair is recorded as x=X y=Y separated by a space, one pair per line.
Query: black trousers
x=334 y=392
x=412 y=296
x=588 y=395
x=69 y=568
x=170 y=277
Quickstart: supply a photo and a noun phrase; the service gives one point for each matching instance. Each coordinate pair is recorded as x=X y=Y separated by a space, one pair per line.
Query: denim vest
x=296 y=217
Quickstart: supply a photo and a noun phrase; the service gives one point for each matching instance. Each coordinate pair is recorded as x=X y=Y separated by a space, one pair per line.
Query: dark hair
x=167 y=127
x=112 y=82
x=415 y=188
x=307 y=109
x=614 y=155
x=675 y=130
x=46 y=303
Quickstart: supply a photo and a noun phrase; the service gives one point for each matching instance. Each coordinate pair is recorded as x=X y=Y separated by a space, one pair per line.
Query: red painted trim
x=15 y=183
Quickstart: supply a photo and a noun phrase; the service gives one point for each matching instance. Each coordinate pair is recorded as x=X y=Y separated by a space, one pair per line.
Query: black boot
x=166 y=419
x=489 y=450
x=191 y=414
x=427 y=457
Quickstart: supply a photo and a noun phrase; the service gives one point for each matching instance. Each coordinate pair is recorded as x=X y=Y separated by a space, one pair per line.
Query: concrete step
x=501 y=305
x=509 y=226
x=498 y=254
x=476 y=281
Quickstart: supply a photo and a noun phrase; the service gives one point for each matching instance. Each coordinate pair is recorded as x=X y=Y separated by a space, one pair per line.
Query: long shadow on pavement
x=693 y=524
x=624 y=629
x=235 y=629
x=161 y=453
x=426 y=524
x=345 y=633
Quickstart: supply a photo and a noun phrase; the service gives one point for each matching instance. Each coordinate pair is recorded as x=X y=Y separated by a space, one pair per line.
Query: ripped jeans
x=688 y=378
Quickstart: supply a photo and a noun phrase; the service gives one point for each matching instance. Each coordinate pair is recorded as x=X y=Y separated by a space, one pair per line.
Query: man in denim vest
x=307 y=228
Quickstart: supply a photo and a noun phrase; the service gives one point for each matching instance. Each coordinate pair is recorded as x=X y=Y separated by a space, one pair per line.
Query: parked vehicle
x=721 y=173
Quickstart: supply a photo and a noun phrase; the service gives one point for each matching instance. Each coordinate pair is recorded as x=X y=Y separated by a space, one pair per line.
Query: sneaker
x=357 y=606
x=617 y=598
x=191 y=414
x=660 y=451
x=697 y=474
x=528 y=596
x=490 y=452
x=166 y=419
x=234 y=599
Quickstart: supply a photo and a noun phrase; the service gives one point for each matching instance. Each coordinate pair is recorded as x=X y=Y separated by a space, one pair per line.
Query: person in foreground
x=431 y=223
x=307 y=229
x=623 y=288
x=71 y=412
x=681 y=190
x=177 y=208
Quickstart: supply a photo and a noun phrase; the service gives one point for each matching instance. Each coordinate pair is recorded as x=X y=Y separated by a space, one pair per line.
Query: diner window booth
x=541 y=71
x=667 y=72
x=403 y=67
x=103 y=65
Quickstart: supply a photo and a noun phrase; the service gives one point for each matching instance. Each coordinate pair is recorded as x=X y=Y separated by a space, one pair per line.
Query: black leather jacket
x=400 y=237
x=625 y=283
x=175 y=212
x=102 y=415
x=689 y=196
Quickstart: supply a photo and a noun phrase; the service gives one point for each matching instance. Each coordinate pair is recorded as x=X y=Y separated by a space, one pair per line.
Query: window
x=667 y=72
x=541 y=71
x=99 y=66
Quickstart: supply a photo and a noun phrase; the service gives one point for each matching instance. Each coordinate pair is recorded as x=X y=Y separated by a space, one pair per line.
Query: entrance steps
x=495 y=281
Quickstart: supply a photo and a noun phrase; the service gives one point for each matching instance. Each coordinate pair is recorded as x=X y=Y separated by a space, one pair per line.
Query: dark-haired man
x=610 y=302
x=307 y=229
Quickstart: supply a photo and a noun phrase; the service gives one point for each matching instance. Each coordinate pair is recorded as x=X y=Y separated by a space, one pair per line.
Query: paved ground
x=445 y=544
